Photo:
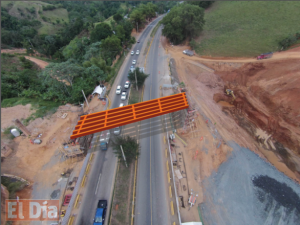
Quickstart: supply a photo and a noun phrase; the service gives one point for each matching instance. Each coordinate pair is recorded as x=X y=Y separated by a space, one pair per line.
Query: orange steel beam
x=100 y=121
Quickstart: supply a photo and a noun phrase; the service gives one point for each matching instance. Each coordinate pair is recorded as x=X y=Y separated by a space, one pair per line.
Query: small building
x=100 y=90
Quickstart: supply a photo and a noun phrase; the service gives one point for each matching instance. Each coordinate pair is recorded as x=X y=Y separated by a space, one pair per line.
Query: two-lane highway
x=152 y=204
x=100 y=180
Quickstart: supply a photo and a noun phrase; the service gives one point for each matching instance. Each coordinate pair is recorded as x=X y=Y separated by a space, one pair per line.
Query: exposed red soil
x=265 y=116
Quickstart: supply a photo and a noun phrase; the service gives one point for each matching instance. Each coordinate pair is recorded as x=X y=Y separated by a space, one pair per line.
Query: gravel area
x=248 y=190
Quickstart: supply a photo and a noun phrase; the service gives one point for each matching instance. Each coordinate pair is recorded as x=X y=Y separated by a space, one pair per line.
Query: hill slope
x=19 y=9
x=236 y=29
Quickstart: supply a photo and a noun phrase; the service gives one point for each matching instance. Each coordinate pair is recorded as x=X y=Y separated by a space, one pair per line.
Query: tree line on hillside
x=85 y=61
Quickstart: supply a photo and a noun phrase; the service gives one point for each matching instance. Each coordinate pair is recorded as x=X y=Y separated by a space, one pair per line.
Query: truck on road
x=104 y=139
x=265 y=56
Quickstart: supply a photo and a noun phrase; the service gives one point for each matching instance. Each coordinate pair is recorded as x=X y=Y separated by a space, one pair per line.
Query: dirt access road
x=42 y=64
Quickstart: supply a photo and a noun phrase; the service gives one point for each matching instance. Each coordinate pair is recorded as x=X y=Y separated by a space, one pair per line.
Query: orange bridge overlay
x=105 y=120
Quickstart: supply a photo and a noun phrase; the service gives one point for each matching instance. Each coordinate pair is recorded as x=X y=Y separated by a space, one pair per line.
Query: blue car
x=100 y=212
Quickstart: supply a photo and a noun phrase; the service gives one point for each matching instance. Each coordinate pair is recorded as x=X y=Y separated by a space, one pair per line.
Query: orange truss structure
x=105 y=120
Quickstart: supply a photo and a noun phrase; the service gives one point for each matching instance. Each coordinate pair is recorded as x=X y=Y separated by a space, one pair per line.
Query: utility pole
x=136 y=79
x=85 y=98
x=123 y=155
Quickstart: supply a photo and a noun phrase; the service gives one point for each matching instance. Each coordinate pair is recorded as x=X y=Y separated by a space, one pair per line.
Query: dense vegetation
x=183 y=21
x=131 y=149
x=85 y=60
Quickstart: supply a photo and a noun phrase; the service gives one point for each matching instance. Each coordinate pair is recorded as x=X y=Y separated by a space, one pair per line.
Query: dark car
x=138 y=41
x=100 y=212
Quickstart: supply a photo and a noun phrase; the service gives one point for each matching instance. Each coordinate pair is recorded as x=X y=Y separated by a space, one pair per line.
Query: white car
x=134 y=62
x=132 y=52
x=121 y=104
x=127 y=83
x=118 y=90
x=137 y=52
x=124 y=95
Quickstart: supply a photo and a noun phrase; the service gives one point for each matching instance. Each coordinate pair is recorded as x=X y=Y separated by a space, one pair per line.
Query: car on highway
x=132 y=67
x=132 y=52
x=134 y=62
x=137 y=52
x=100 y=212
x=121 y=105
x=117 y=130
x=118 y=91
x=127 y=84
x=124 y=95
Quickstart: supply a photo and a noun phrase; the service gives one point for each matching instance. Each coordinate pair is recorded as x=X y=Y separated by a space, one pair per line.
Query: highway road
x=152 y=204
x=101 y=176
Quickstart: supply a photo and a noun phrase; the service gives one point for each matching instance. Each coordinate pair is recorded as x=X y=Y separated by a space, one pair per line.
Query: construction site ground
x=42 y=164
x=243 y=156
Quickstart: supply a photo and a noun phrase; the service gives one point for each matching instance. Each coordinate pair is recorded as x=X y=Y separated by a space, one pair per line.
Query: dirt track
x=42 y=64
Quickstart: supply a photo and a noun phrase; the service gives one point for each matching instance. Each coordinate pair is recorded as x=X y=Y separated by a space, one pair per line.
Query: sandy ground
x=17 y=112
x=39 y=62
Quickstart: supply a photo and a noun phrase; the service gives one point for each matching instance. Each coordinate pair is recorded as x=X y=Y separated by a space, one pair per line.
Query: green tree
x=118 y=17
x=137 y=18
x=76 y=49
x=130 y=146
x=120 y=32
x=202 y=4
x=94 y=50
x=183 y=21
x=100 y=32
x=140 y=76
x=111 y=47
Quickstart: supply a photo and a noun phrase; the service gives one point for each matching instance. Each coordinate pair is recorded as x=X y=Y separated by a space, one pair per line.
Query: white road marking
x=98 y=184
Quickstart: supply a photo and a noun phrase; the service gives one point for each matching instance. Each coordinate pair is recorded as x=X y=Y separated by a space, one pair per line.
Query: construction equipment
x=230 y=92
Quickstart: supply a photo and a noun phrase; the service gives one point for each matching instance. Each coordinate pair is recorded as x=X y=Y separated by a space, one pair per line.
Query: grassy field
x=237 y=29
x=106 y=21
x=61 y=14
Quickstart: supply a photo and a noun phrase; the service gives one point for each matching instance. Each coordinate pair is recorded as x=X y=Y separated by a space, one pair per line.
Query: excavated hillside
x=267 y=104
x=267 y=97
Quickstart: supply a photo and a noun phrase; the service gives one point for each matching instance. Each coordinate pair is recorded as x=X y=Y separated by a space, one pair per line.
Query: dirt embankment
x=265 y=116
x=267 y=96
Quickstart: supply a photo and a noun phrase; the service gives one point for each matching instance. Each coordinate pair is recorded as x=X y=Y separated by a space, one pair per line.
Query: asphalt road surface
x=152 y=205
x=101 y=176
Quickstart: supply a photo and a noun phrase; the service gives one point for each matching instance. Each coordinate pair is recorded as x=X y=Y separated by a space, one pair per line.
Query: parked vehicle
x=188 y=52
x=132 y=52
x=117 y=130
x=100 y=212
x=127 y=84
x=134 y=62
x=137 y=52
x=138 y=41
x=118 y=91
x=124 y=95
x=104 y=140
x=265 y=56
x=121 y=105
